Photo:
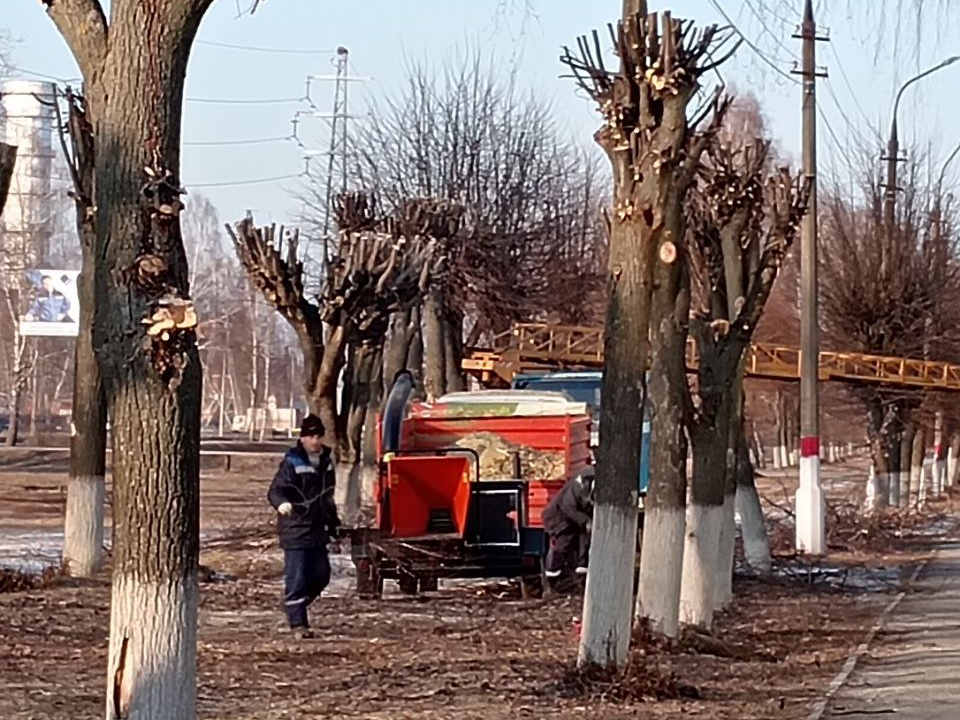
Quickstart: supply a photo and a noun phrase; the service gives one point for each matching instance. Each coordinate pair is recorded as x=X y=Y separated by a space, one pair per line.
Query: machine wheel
x=531 y=587
x=369 y=580
x=409 y=583
x=429 y=583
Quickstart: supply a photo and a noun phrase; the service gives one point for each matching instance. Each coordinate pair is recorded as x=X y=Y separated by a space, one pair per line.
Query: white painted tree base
x=83 y=526
x=661 y=569
x=152 y=666
x=723 y=585
x=608 y=601
x=810 y=508
x=698 y=587
x=756 y=543
x=903 y=478
x=951 y=468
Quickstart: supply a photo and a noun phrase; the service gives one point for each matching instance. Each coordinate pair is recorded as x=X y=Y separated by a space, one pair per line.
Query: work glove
x=285 y=508
x=589 y=525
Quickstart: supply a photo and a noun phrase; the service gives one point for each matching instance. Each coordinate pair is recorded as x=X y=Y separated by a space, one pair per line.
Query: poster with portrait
x=51 y=307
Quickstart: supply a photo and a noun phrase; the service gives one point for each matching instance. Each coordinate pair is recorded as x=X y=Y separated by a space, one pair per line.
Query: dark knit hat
x=311 y=425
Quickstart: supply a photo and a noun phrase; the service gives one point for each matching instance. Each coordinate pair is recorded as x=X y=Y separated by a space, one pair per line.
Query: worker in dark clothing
x=567 y=520
x=307 y=520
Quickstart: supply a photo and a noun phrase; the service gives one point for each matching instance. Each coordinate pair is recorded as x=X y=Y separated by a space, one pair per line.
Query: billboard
x=51 y=307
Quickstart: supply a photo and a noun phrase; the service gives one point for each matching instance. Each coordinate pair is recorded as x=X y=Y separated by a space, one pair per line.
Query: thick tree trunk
x=661 y=562
x=723 y=591
x=365 y=370
x=939 y=469
x=135 y=81
x=756 y=543
x=13 y=427
x=434 y=346
x=398 y=345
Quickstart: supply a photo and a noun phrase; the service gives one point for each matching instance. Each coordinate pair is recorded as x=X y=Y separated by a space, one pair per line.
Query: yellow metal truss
x=531 y=347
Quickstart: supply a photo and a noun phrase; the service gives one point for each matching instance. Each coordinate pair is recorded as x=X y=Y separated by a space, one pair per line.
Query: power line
x=774 y=37
x=846 y=80
x=46 y=76
x=751 y=45
x=252 y=181
x=277 y=51
x=245 y=101
x=250 y=141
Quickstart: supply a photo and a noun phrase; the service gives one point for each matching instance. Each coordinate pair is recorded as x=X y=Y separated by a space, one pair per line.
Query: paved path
x=912 y=672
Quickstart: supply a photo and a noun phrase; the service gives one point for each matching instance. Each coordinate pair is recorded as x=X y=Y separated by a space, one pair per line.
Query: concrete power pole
x=810 y=506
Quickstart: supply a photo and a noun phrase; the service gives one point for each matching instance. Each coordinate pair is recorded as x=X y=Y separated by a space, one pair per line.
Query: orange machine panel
x=420 y=486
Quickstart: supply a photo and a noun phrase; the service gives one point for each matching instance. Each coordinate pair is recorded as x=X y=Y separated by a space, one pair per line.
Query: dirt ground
x=472 y=650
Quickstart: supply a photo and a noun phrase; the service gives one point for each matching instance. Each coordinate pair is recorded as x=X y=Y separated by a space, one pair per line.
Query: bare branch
x=83 y=25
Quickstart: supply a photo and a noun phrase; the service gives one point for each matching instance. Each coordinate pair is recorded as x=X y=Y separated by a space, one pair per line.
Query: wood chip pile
x=496 y=458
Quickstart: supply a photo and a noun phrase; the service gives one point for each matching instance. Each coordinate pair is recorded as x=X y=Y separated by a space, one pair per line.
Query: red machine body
x=438 y=517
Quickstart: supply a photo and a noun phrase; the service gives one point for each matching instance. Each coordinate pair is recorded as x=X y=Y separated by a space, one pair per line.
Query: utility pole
x=810 y=506
x=338 y=143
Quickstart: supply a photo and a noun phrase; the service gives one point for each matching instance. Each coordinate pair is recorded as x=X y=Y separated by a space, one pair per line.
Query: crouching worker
x=567 y=521
x=307 y=520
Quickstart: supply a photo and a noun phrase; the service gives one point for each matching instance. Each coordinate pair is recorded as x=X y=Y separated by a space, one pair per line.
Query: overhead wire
x=271 y=50
x=252 y=181
x=247 y=141
x=245 y=101
x=750 y=44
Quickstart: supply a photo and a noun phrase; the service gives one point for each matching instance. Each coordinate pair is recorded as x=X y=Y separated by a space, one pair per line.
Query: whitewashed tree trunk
x=153 y=648
x=723 y=589
x=756 y=543
x=605 y=635
x=698 y=589
x=83 y=526
x=906 y=451
x=953 y=460
x=661 y=563
x=873 y=489
x=916 y=465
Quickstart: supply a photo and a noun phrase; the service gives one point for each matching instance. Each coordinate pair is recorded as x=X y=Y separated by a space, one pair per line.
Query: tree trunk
x=756 y=543
x=953 y=456
x=8 y=158
x=402 y=330
x=726 y=549
x=903 y=474
x=153 y=384
x=434 y=346
x=704 y=522
x=918 y=451
x=661 y=562
x=415 y=354
x=365 y=370
x=455 y=380
x=13 y=427
x=83 y=525
x=939 y=469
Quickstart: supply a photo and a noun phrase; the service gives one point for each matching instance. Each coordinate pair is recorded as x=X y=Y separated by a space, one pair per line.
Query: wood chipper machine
x=462 y=485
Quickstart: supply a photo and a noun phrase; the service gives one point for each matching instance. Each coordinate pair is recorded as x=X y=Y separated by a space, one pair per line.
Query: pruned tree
x=651 y=139
x=133 y=66
x=381 y=267
x=742 y=222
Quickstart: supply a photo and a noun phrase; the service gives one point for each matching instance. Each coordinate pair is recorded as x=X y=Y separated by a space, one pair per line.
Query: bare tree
x=468 y=136
x=903 y=306
x=654 y=152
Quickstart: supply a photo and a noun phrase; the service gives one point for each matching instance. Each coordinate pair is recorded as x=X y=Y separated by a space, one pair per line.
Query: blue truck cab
x=585 y=387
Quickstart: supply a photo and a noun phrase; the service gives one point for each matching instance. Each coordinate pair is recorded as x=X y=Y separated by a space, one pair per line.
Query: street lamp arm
x=929 y=71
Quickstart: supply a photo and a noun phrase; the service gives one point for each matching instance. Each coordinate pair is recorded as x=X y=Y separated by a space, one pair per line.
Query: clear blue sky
x=381 y=34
